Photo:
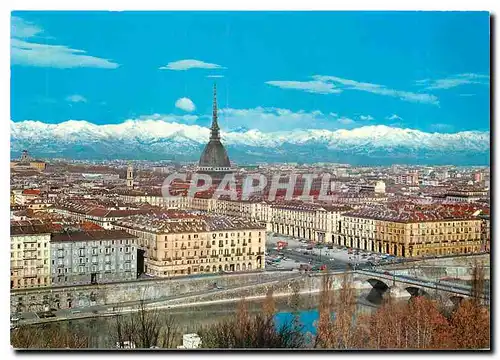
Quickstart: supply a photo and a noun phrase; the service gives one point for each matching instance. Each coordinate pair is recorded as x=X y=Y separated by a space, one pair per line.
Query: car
x=46 y=315
x=297 y=261
x=75 y=311
x=332 y=259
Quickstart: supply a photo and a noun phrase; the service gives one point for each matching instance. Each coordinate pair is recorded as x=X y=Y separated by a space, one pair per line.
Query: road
x=112 y=309
x=317 y=257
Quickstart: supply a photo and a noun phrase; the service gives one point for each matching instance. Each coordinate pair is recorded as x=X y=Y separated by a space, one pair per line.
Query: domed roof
x=214 y=155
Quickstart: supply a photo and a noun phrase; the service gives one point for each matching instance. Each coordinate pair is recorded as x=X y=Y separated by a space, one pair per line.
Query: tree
x=269 y=306
x=46 y=336
x=470 y=322
x=146 y=328
x=470 y=326
x=246 y=331
x=336 y=325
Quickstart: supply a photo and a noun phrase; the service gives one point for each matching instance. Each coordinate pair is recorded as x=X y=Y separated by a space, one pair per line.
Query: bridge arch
x=456 y=299
x=416 y=291
x=378 y=284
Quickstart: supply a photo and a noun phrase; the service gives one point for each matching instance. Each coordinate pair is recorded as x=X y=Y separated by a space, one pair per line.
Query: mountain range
x=161 y=140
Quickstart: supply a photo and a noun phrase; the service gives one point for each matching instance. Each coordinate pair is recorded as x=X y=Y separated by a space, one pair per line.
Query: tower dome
x=214 y=157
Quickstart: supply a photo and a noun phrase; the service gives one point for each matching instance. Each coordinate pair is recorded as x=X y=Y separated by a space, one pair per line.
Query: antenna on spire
x=214 y=110
x=215 y=126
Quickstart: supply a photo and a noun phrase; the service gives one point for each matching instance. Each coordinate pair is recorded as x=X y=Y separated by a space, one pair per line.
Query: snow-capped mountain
x=158 y=139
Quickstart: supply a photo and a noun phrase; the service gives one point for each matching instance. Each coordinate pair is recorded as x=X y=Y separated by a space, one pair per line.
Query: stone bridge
x=404 y=286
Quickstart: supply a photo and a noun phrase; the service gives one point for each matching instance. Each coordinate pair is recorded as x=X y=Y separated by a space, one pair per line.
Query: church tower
x=214 y=159
x=130 y=176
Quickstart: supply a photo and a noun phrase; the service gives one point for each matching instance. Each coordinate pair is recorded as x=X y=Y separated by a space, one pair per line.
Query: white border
x=120 y=5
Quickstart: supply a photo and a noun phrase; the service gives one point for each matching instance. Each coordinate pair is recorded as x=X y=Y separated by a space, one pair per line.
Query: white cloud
x=215 y=76
x=185 y=104
x=76 y=98
x=317 y=87
x=454 y=81
x=26 y=53
x=346 y=84
x=366 y=117
x=278 y=119
x=21 y=29
x=190 y=64
x=394 y=117
x=170 y=118
x=346 y=121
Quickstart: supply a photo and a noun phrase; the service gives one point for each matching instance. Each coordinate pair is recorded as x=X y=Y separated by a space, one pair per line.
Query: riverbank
x=190 y=318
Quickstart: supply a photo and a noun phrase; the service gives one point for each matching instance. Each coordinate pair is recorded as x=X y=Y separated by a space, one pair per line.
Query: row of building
x=336 y=223
x=163 y=245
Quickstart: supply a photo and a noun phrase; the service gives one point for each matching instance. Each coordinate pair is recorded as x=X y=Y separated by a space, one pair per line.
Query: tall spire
x=214 y=135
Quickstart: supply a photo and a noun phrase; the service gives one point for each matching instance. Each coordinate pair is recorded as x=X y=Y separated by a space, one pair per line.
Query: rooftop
x=29 y=227
x=165 y=224
x=409 y=212
x=92 y=235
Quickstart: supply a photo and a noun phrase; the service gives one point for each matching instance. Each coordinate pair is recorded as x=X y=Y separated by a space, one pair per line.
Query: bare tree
x=337 y=331
x=471 y=320
x=146 y=328
x=269 y=306
x=46 y=336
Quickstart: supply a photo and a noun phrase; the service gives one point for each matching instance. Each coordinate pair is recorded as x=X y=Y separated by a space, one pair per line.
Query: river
x=101 y=330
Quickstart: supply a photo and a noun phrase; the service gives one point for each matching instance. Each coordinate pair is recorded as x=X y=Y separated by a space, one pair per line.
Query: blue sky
x=275 y=71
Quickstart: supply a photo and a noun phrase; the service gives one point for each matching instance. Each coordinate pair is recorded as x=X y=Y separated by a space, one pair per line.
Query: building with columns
x=319 y=223
x=411 y=231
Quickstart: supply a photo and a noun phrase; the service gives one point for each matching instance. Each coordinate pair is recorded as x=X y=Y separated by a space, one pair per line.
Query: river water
x=101 y=330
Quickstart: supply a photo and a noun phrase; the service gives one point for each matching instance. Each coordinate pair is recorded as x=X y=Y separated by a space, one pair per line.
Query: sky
x=274 y=71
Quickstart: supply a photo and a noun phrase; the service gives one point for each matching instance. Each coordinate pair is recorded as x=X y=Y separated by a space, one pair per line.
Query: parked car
x=305 y=267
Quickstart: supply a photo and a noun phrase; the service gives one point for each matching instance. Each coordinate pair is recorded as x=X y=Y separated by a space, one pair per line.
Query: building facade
x=401 y=234
x=29 y=254
x=182 y=246
x=93 y=257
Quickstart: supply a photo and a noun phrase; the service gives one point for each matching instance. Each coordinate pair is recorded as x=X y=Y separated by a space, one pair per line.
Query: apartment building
x=153 y=197
x=183 y=244
x=466 y=195
x=93 y=257
x=410 y=178
x=29 y=254
x=409 y=232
